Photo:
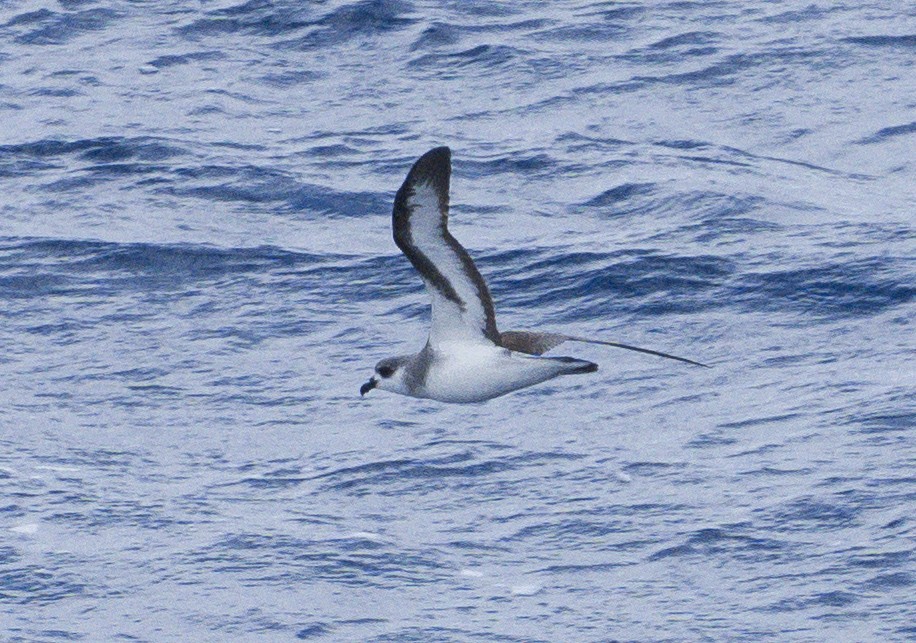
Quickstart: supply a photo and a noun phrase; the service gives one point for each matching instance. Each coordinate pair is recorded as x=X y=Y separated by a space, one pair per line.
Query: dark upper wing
x=531 y=343
x=537 y=343
x=461 y=305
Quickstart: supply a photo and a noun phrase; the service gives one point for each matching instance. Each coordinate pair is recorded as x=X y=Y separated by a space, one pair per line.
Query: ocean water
x=197 y=274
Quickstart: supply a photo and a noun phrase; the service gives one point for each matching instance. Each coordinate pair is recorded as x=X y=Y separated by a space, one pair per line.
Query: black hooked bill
x=368 y=386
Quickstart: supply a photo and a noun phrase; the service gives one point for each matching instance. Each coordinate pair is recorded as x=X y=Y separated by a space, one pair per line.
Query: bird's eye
x=385 y=371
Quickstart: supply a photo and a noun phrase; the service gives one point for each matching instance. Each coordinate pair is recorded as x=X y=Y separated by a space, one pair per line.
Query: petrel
x=466 y=359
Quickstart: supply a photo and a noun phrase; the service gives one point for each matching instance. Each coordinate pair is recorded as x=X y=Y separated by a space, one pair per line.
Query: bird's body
x=466 y=359
x=464 y=372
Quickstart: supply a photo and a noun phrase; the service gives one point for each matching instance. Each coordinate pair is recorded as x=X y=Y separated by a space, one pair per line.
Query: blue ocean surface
x=197 y=274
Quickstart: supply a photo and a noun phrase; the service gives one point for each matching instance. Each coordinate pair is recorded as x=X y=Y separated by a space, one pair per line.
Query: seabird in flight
x=466 y=359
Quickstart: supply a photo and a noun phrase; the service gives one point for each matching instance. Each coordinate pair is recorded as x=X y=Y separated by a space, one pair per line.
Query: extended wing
x=533 y=343
x=462 y=308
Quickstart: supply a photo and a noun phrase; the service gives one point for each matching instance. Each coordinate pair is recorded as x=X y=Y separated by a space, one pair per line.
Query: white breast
x=473 y=372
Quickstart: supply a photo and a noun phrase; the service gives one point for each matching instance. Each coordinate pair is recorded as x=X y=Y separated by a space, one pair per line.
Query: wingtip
x=442 y=150
x=433 y=168
x=437 y=161
x=629 y=347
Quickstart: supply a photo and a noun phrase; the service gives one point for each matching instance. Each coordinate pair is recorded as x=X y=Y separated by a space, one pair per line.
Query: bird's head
x=390 y=375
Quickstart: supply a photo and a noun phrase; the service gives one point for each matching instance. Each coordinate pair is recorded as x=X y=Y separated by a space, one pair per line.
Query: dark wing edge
x=533 y=343
x=530 y=343
x=435 y=168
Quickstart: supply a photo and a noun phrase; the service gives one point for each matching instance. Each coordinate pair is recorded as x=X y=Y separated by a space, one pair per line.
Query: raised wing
x=462 y=308
x=533 y=343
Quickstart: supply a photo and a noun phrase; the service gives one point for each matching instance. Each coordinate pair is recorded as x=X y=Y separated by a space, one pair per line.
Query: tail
x=573 y=366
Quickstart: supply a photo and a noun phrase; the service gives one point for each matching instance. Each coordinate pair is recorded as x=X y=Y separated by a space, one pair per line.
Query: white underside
x=473 y=372
x=450 y=322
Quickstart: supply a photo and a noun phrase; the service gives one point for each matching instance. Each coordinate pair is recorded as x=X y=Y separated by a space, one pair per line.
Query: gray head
x=390 y=375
